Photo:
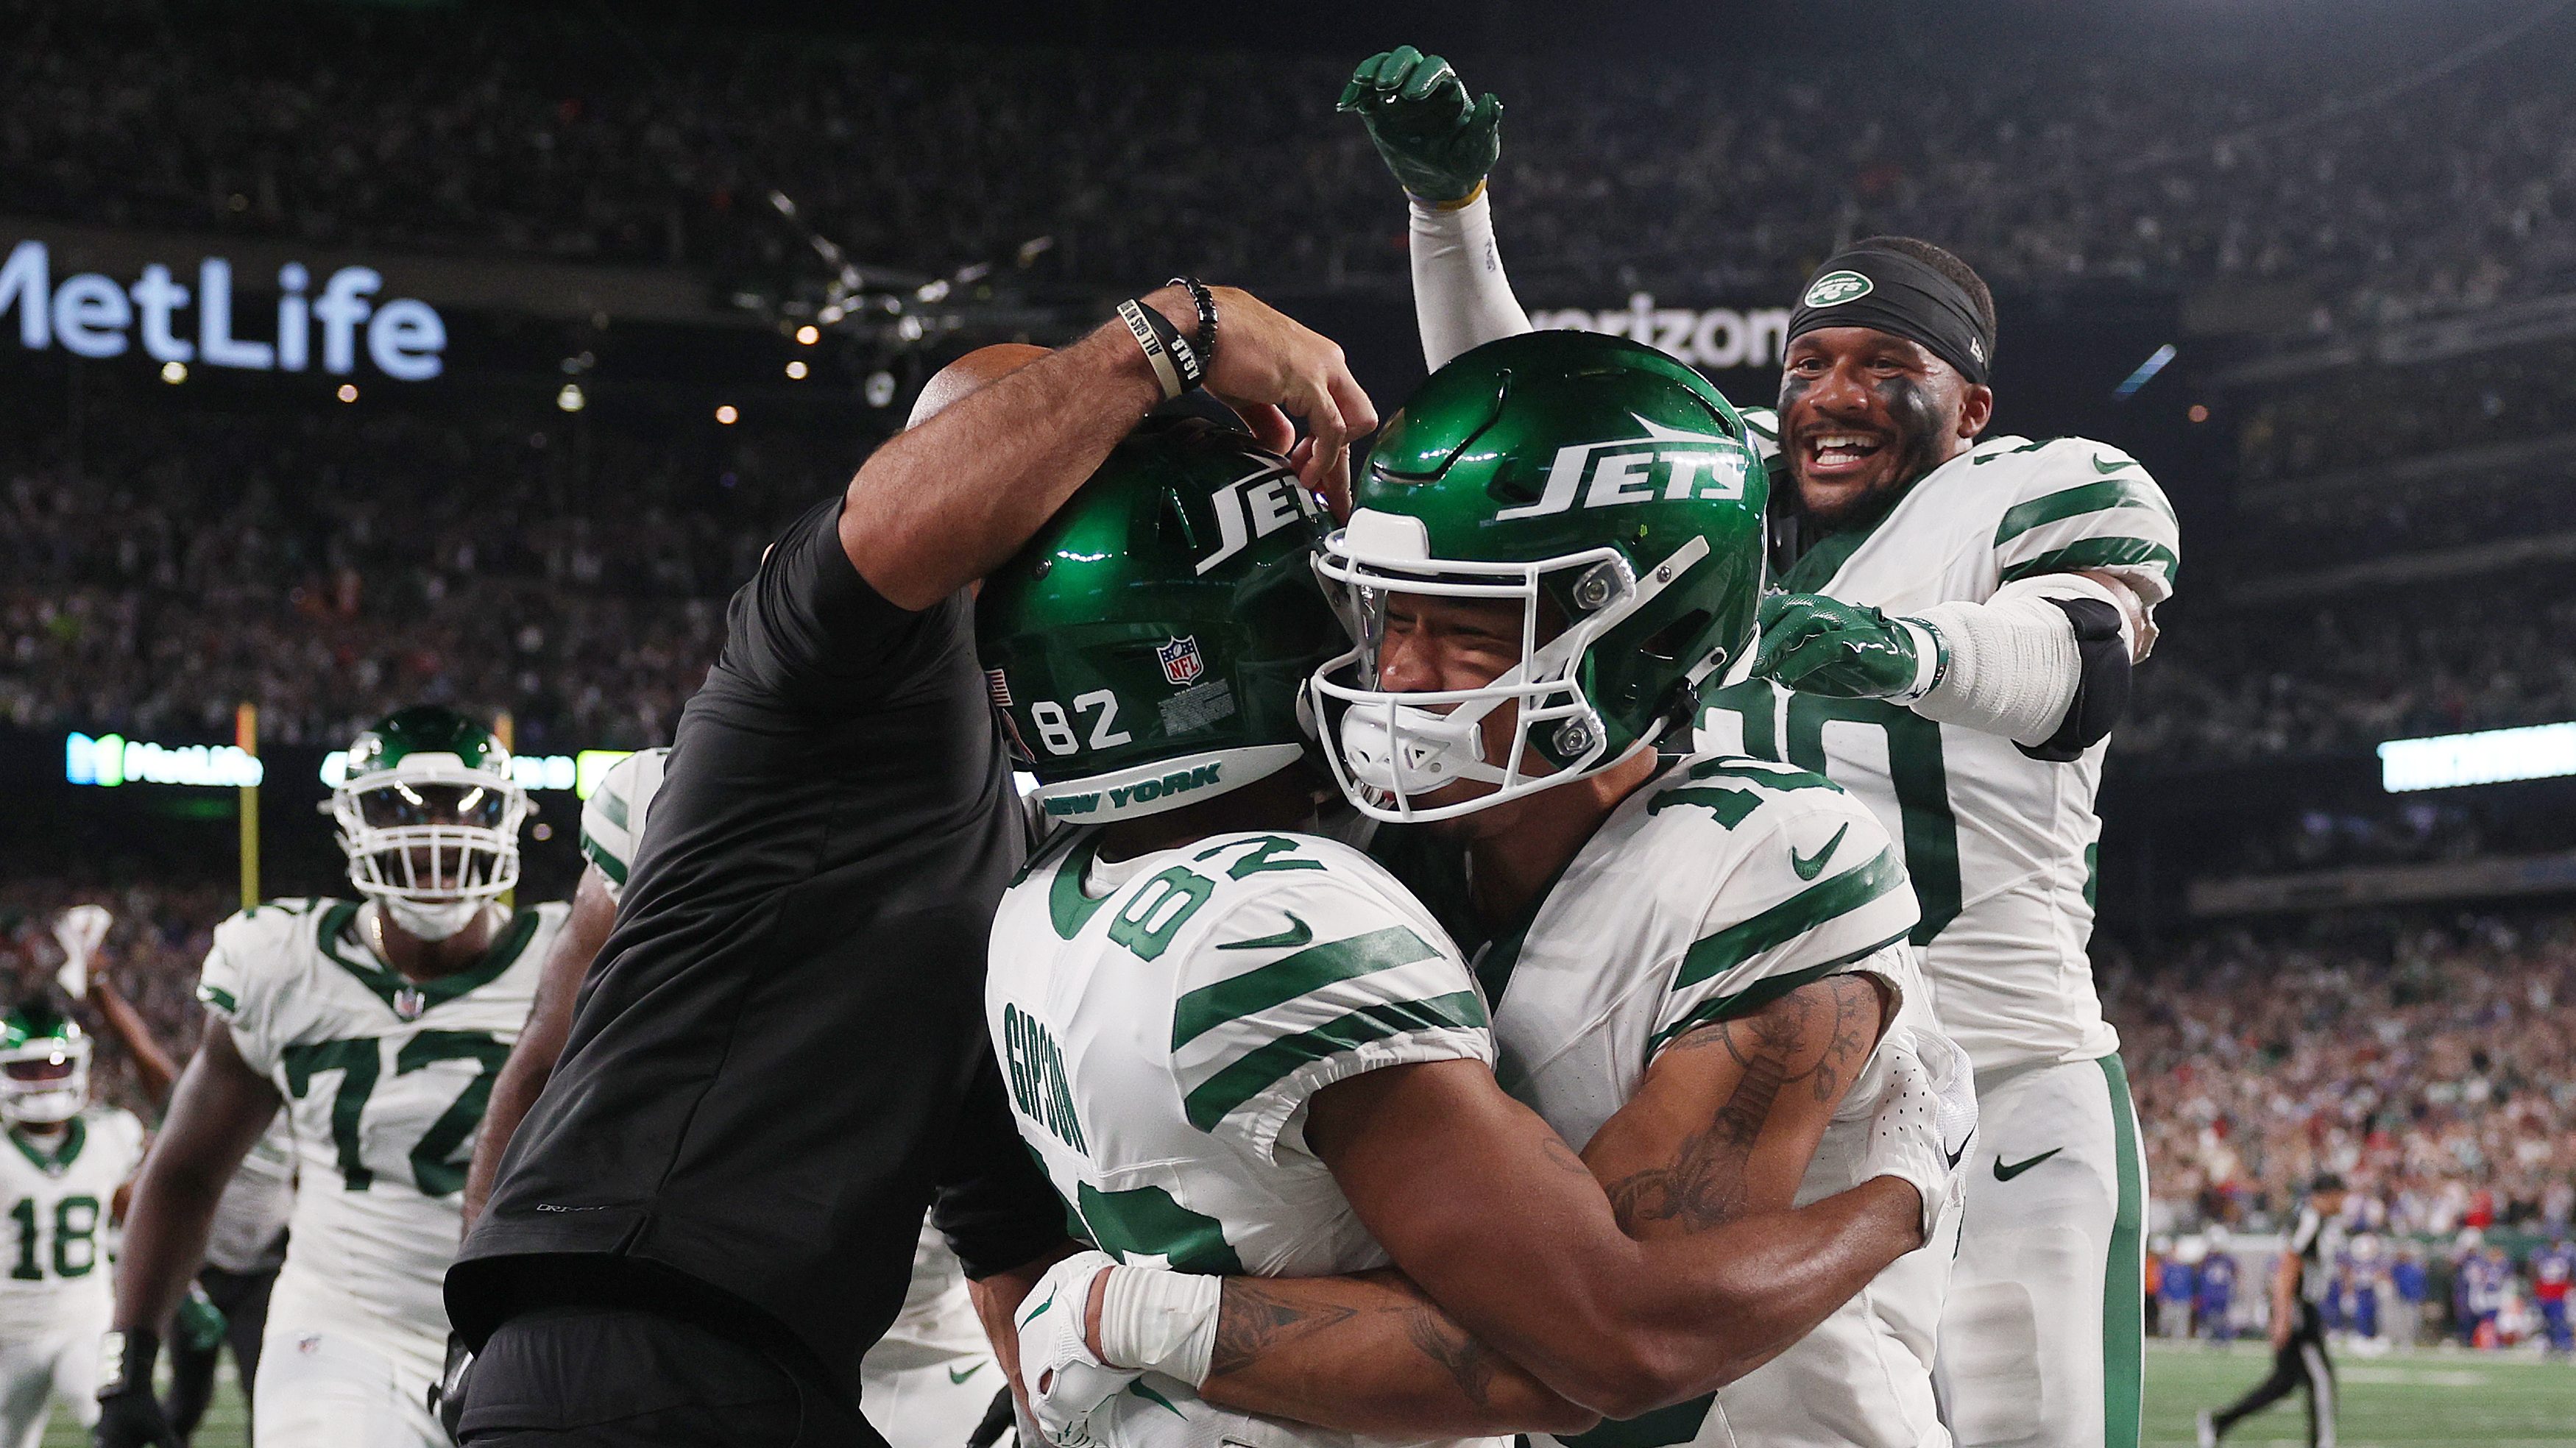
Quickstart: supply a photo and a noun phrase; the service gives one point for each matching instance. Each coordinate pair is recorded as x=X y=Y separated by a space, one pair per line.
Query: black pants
x=2301 y=1363
x=242 y=1297
x=625 y=1377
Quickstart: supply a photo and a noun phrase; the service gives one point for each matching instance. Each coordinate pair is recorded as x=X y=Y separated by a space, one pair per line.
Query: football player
x=376 y=1023
x=929 y=1381
x=1238 y=1047
x=67 y=1161
x=245 y=1246
x=1953 y=647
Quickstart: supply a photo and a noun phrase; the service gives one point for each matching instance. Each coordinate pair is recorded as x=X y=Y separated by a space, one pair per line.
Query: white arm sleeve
x=2011 y=666
x=1461 y=298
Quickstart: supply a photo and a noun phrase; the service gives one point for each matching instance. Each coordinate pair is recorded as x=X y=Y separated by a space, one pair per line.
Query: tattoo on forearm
x=1252 y=1320
x=1816 y=1036
x=1447 y=1344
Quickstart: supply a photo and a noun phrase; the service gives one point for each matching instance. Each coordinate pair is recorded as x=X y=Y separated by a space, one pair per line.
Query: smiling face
x=1863 y=413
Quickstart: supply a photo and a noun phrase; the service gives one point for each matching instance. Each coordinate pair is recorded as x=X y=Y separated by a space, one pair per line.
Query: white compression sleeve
x=2009 y=666
x=1461 y=298
x=1160 y=1321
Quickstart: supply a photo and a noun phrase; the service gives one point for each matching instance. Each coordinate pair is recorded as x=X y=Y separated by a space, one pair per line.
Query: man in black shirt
x=709 y=1214
x=2298 y=1329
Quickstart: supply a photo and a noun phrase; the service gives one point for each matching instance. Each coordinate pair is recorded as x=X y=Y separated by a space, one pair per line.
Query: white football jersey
x=56 y=1194
x=385 y=1082
x=1722 y=885
x=612 y=819
x=1162 y=1023
x=2000 y=845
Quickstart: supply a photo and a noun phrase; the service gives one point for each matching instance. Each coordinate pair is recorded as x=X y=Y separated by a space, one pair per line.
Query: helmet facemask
x=1388 y=749
x=44 y=1079
x=431 y=840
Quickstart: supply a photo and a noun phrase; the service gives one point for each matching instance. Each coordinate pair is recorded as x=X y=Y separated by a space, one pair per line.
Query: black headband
x=1892 y=292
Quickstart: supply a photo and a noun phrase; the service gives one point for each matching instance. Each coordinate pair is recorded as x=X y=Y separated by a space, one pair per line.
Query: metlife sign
x=1712 y=338
x=90 y=314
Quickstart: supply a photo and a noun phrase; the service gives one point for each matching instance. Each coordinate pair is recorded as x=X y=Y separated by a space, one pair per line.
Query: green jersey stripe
x=1263 y=1067
x=218 y=997
x=1290 y=976
x=1791 y=918
x=613 y=806
x=2098 y=497
x=1761 y=993
x=2098 y=553
x=598 y=854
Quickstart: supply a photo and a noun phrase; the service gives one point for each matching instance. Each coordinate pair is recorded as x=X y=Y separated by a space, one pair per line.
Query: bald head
x=967 y=374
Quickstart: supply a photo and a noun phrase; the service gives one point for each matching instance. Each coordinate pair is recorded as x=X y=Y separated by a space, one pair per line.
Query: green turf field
x=2457 y=1400
x=2413 y=1399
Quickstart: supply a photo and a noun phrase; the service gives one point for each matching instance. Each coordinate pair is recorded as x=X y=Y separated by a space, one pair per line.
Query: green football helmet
x=1153 y=640
x=1607 y=489
x=44 y=1066
x=429 y=815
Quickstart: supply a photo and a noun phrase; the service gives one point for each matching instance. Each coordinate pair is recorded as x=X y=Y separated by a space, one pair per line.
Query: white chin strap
x=430 y=920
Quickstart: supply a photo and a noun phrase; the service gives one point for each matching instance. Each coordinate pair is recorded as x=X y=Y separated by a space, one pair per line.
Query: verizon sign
x=90 y=314
x=1712 y=337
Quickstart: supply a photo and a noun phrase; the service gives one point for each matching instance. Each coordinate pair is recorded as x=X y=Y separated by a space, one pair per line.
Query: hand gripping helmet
x=1148 y=648
x=430 y=817
x=44 y=1066
x=1603 y=486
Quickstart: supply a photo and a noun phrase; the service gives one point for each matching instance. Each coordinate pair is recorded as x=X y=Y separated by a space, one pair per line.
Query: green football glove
x=199 y=1324
x=1438 y=143
x=1814 y=645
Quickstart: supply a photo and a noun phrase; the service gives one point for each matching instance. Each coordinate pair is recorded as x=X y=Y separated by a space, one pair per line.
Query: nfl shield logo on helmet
x=1180 y=660
x=409 y=1002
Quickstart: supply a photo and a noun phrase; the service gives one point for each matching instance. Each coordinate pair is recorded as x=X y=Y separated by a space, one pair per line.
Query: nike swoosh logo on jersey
x=1297 y=934
x=1808 y=867
x=2005 y=1173
x=2113 y=465
x=955 y=1376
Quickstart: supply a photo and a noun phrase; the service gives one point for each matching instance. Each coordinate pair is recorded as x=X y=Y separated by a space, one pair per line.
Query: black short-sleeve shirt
x=780 y=1050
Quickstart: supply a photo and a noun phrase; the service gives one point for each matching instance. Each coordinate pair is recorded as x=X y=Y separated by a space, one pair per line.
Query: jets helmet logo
x=1180 y=660
x=1837 y=287
x=1253 y=506
x=1664 y=462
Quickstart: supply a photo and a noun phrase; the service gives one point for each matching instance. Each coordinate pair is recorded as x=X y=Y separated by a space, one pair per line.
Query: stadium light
x=348 y=392
x=2493 y=756
x=808 y=335
x=2146 y=372
x=727 y=415
x=174 y=373
x=570 y=398
x=796 y=369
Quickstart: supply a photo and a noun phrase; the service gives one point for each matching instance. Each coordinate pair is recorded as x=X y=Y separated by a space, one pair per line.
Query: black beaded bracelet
x=1205 y=301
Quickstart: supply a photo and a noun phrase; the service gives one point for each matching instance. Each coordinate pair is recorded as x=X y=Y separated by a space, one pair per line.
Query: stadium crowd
x=467 y=128
x=2427 y=1064
x=324 y=569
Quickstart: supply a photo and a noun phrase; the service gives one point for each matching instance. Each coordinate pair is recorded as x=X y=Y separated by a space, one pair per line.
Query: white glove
x=1928 y=1110
x=1067 y=1381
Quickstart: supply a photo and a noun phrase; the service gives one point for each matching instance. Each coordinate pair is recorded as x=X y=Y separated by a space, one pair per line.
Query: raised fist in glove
x=1925 y=1115
x=1067 y=1382
x=1817 y=645
x=1437 y=141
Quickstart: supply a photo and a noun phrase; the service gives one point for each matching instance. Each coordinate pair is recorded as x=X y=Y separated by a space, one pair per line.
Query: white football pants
x=2043 y=1337
x=37 y=1372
